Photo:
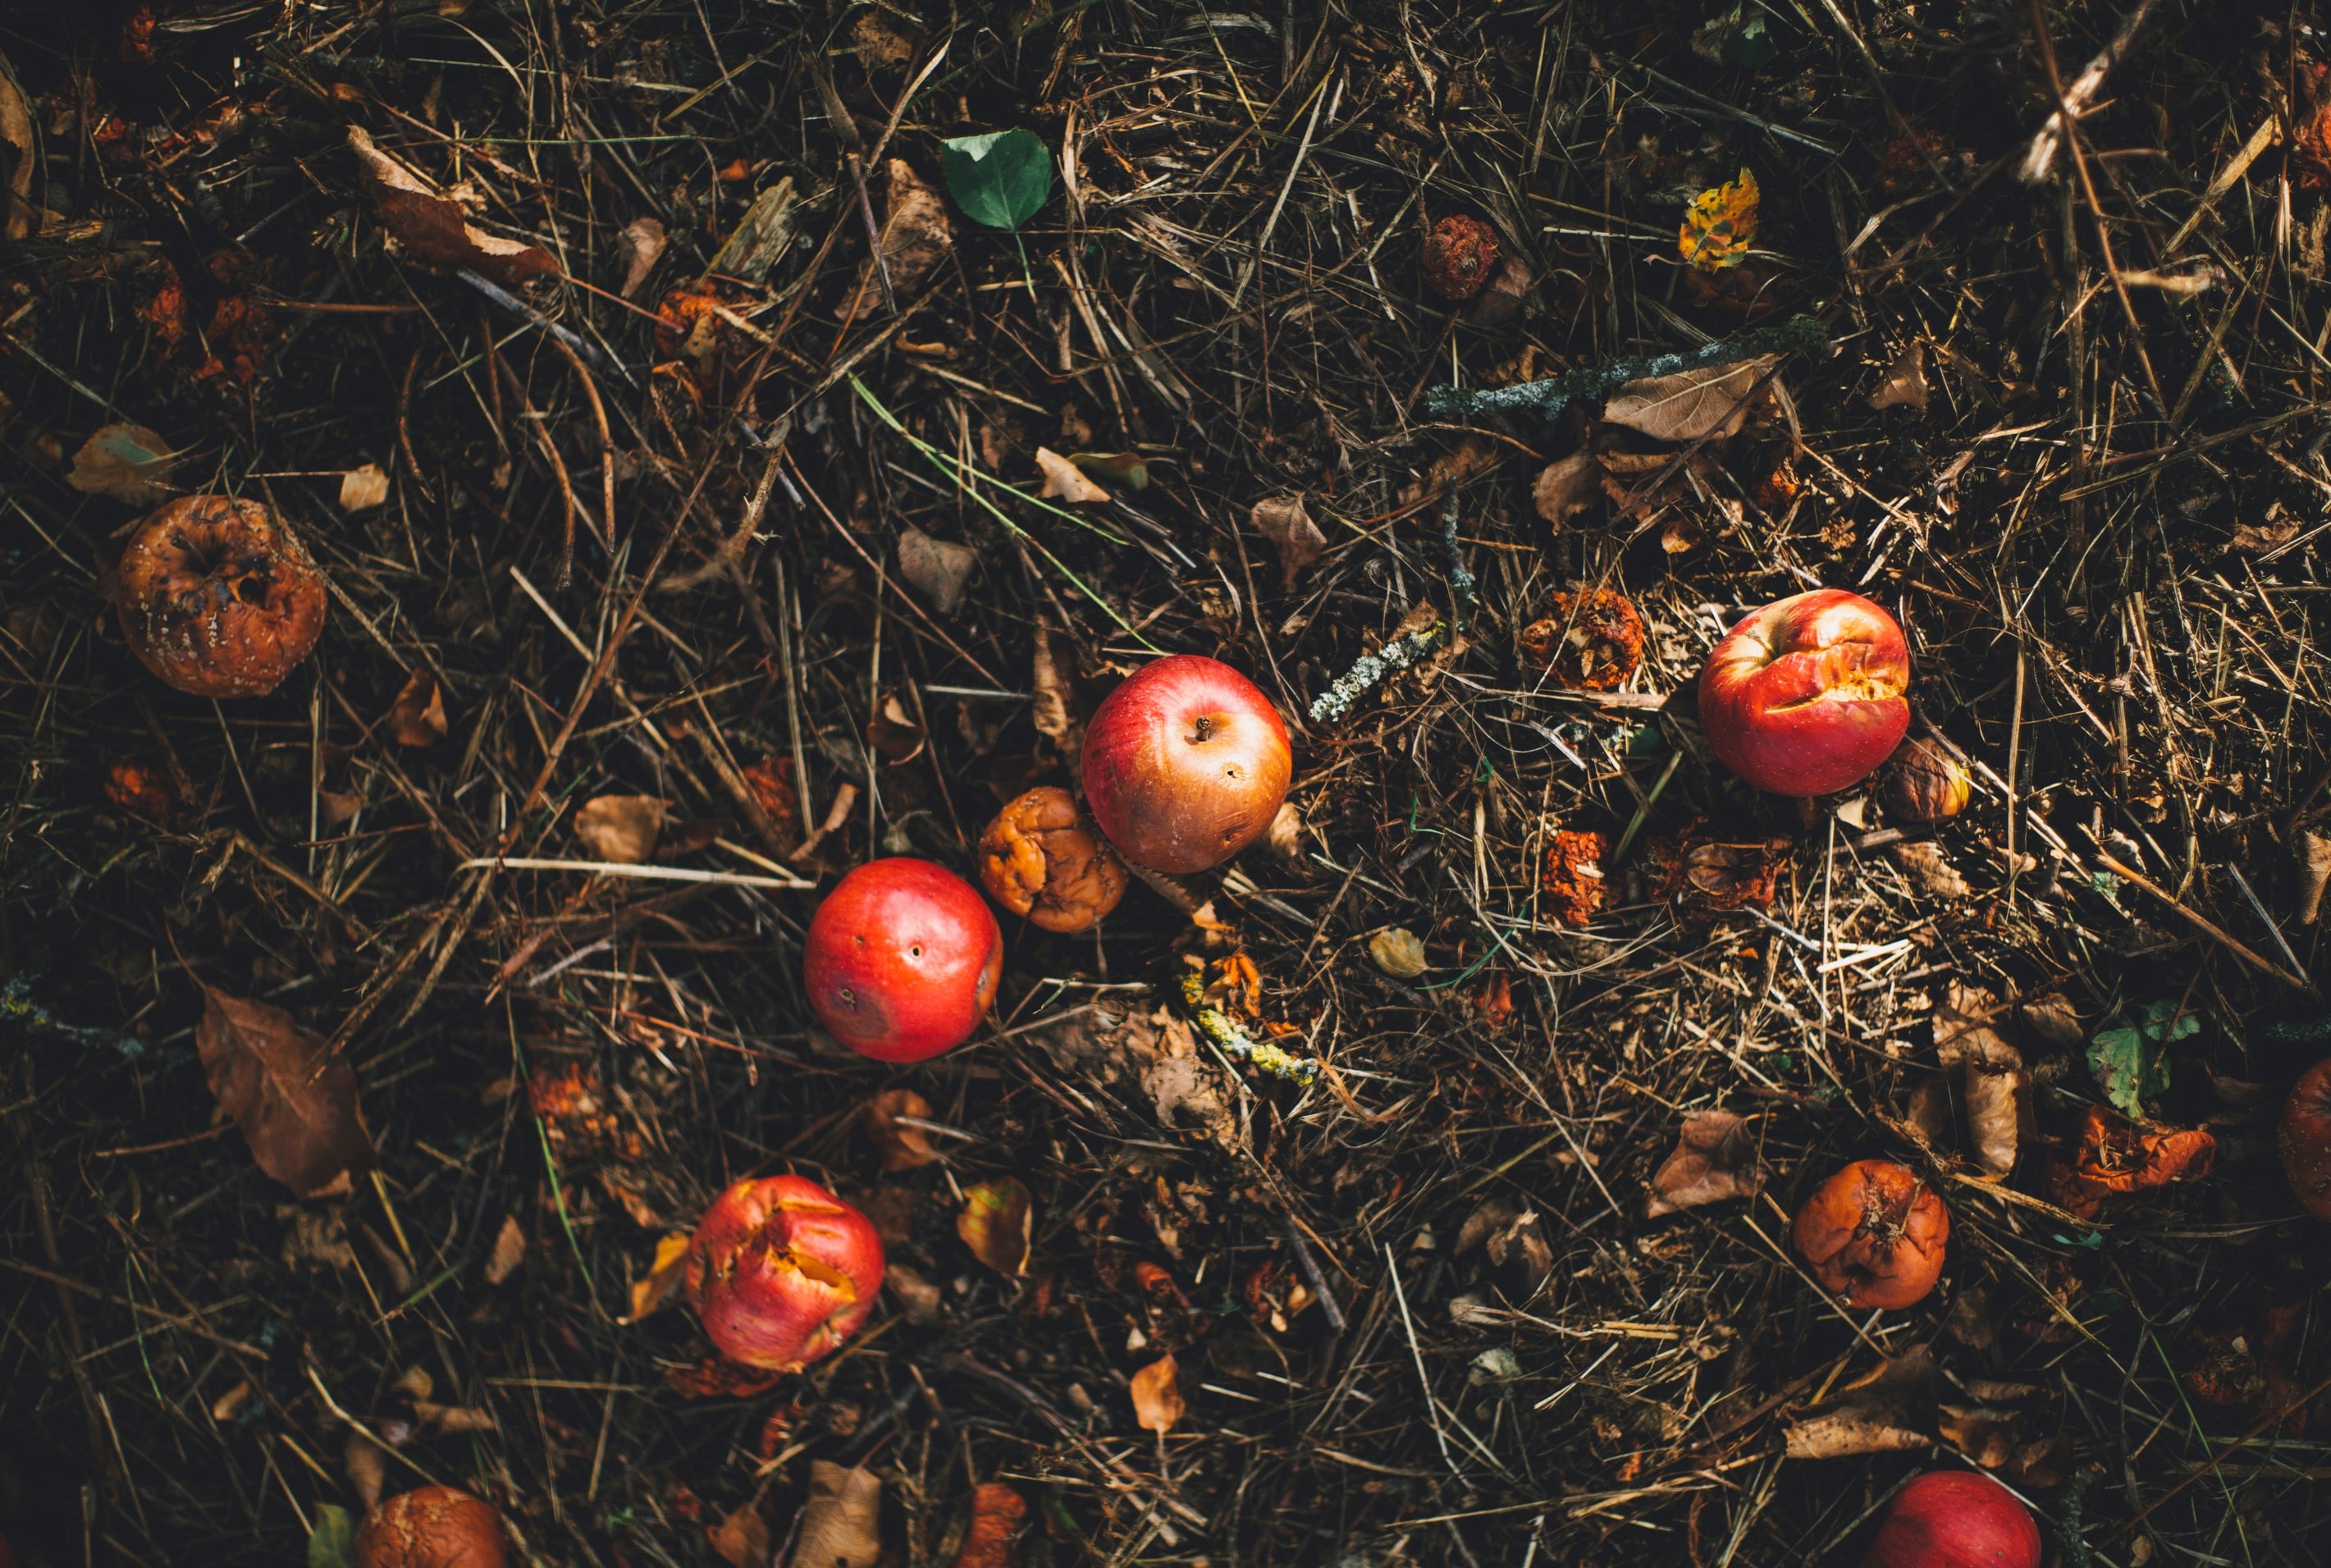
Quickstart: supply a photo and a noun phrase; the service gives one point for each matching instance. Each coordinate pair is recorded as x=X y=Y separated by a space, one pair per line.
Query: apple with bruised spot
x=1184 y=764
x=1804 y=696
x=1955 y=1519
x=781 y=1271
x=901 y=960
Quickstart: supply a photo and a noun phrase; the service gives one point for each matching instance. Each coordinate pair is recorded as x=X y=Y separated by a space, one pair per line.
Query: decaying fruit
x=1041 y=858
x=1874 y=1234
x=1924 y=784
x=2305 y=1136
x=781 y=1271
x=1460 y=255
x=431 y=1527
x=1590 y=641
x=217 y=597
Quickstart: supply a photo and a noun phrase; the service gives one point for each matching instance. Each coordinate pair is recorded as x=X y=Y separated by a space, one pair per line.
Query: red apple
x=901 y=960
x=1955 y=1519
x=2305 y=1136
x=781 y=1271
x=431 y=1527
x=1804 y=696
x=1185 y=765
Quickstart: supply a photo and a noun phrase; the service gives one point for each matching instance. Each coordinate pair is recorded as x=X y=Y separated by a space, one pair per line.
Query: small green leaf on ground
x=2131 y=1063
x=1000 y=179
x=332 y=1543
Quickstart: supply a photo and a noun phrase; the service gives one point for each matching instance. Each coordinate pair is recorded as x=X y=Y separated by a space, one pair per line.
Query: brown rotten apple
x=781 y=1271
x=1186 y=763
x=1040 y=858
x=431 y=1527
x=2305 y=1136
x=1804 y=696
x=217 y=597
x=1875 y=1234
x=1925 y=784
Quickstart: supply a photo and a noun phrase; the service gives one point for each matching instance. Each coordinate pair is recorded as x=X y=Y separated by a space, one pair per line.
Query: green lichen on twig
x=1548 y=398
x=1235 y=1042
x=1334 y=703
x=17 y=1006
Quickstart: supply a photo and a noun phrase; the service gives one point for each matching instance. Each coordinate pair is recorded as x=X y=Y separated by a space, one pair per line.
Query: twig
x=2218 y=934
x=1334 y=703
x=1548 y=398
x=2041 y=155
x=1222 y=1029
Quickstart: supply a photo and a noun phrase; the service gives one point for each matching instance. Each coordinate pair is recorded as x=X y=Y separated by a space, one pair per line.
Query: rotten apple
x=1955 y=1519
x=781 y=1271
x=901 y=960
x=217 y=597
x=431 y=1527
x=2305 y=1136
x=1041 y=858
x=1186 y=763
x=1875 y=1234
x=1804 y=696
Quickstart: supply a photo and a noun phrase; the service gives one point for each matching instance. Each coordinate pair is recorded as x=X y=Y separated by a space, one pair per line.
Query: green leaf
x=1000 y=179
x=2130 y=1066
x=2162 y=1021
x=333 y=1543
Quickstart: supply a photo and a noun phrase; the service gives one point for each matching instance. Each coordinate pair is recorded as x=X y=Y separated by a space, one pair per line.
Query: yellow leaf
x=662 y=1280
x=1158 y=1396
x=997 y=1220
x=1719 y=225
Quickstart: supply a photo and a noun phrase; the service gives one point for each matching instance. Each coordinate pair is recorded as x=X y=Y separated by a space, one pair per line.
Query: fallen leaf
x=622 y=829
x=510 y=1251
x=1705 y=877
x=921 y=1298
x=454 y=1419
x=882 y=38
x=1285 y=834
x=127 y=462
x=1064 y=480
x=1051 y=715
x=1904 y=386
x=1001 y=179
x=363 y=489
x=1719 y=225
x=295 y=1101
x=1129 y=468
x=2131 y=1063
x=660 y=1286
x=2315 y=874
x=840 y=1522
x=414 y=1382
x=742 y=1539
x=1398 y=953
x=939 y=569
x=641 y=245
x=417 y=717
x=991 y=1540
x=2053 y=1019
x=1283 y=520
x=1715 y=1158
x=1501 y=302
x=367 y=1464
x=2112 y=1156
x=1891 y=1411
x=1710 y=401
x=332 y=1538
x=1572 y=881
x=234 y=1401
x=314 y=1239
x=997 y=1222
x=1566 y=487
x=433 y=227
x=901 y=1147
x=1156 y=1396
x=1159 y=1054
x=916 y=236
x=2259 y=539
x=1928 y=871
x=893 y=732
x=2310 y=150
x=23 y=161
x=1993 y=1087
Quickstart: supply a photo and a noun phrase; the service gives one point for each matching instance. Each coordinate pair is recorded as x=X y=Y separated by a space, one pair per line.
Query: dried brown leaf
x=660 y=1286
x=622 y=829
x=1567 y=486
x=1713 y=400
x=1398 y=953
x=2314 y=873
x=1715 y=1158
x=1891 y=1411
x=509 y=1250
x=363 y=489
x=16 y=141
x=840 y=1522
x=1160 y=1055
x=295 y=1101
x=916 y=236
x=1995 y=1090
x=417 y=717
x=894 y=733
x=901 y=1147
x=742 y=1539
x=1904 y=386
x=1158 y=1396
x=127 y=462
x=433 y=227
x=1929 y=872
x=367 y=1464
x=2053 y=1019
x=1287 y=525
x=919 y=1297
x=1064 y=480
x=1053 y=718
x=997 y=1223
x=939 y=569
x=641 y=245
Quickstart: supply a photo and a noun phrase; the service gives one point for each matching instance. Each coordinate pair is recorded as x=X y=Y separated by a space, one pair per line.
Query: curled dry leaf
x=1054 y=717
x=2112 y=1156
x=295 y=1101
x=1159 y=1053
x=1706 y=877
x=939 y=569
x=1158 y=1396
x=640 y=244
x=1715 y=1158
x=1398 y=953
x=1567 y=486
x=1501 y=303
x=660 y=1284
x=1129 y=470
x=894 y=733
x=1589 y=641
x=998 y=1515
x=1285 y=836
x=919 y=1297
x=1572 y=883
x=367 y=1464
x=17 y=144
x=901 y=1147
x=1890 y=1410
x=2315 y=874
x=916 y=236
x=363 y=489
x=510 y=1251
x=126 y=462
x=1064 y=480
x=1994 y=1086
x=1287 y=525
x=433 y=226
x=622 y=829
x=1929 y=870
x=1710 y=401
x=841 y=1519
x=1904 y=386
x=417 y=717
x=742 y=1539
x=997 y=1223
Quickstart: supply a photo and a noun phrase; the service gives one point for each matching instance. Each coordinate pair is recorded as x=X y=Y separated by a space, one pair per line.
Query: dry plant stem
x=607 y=443
x=541 y=427
x=2072 y=102
x=731 y=550
x=2217 y=934
x=1548 y=398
